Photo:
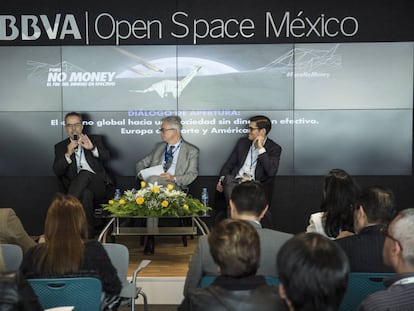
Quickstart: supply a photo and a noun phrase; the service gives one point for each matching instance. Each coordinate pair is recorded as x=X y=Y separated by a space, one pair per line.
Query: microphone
x=75 y=137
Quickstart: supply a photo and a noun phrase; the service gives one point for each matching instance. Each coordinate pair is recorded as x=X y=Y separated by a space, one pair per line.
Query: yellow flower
x=185 y=206
x=170 y=187
x=143 y=184
x=110 y=202
x=164 y=203
x=140 y=200
x=155 y=189
x=122 y=201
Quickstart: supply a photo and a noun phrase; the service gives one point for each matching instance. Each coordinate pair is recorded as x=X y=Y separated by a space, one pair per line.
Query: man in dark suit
x=248 y=202
x=79 y=166
x=373 y=211
x=255 y=157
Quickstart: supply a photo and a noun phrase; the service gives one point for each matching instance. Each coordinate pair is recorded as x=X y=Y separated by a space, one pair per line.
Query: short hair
x=249 y=198
x=378 y=203
x=73 y=114
x=174 y=122
x=235 y=248
x=262 y=122
x=313 y=271
x=402 y=229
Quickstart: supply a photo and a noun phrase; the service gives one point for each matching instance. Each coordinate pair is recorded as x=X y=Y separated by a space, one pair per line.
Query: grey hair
x=174 y=122
x=403 y=231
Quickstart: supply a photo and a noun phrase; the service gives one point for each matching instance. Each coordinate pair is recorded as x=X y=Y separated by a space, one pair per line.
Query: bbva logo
x=30 y=27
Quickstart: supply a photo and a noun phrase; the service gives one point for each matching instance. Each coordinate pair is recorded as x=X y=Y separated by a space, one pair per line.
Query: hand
x=344 y=234
x=167 y=177
x=259 y=142
x=72 y=146
x=219 y=187
x=86 y=142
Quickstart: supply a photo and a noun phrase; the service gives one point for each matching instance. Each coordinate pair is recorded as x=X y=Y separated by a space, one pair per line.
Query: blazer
x=202 y=262
x=267 y=163
x=364 y=250
x=186 y=170
x=67 y=172
x=12 y=230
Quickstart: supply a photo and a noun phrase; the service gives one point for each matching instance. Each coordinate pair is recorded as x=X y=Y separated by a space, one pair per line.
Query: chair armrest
x=141 y=266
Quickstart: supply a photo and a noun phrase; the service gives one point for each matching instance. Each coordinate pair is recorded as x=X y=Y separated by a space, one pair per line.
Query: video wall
x=346 y=105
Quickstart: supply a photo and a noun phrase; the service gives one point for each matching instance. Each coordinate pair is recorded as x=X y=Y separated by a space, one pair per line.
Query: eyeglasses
x=251 y=129
x=76 y=125
x=385 y=232
x=162 y=130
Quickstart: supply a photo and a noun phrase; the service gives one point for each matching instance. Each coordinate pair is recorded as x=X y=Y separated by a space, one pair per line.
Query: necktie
x=168 y=158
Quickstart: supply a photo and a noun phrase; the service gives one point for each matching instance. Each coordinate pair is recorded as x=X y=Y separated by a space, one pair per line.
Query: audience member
x=15 y=292
x=248 y=202
x=67 y=252
x=179 y=160
x=12 y=230
x=255 y=157
x=340 y=192
x=313 y=273
x=373 y=210
x=235 y=247
x=79 y=166
x=399 y=254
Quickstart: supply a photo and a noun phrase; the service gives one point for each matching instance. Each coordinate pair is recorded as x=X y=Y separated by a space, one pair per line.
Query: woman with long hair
x=340 y=193
x=67 y=251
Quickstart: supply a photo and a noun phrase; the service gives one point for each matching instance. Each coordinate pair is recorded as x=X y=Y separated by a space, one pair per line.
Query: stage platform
x=163 y=279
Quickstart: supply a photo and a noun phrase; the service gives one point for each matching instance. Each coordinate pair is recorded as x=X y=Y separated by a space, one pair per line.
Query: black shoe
x=149 y=246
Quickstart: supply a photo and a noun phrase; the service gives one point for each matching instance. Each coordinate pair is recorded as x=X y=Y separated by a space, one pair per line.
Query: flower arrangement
x=156 y=201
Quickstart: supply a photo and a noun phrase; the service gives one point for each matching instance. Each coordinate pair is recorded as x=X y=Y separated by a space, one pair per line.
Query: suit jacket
x=67 y=172
x=364 y=250
x=186 y=170
x=202 y=262
x=12 y=231
x=267 y=163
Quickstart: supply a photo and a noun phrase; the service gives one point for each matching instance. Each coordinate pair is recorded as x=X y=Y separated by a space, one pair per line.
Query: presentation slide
x=343 y=105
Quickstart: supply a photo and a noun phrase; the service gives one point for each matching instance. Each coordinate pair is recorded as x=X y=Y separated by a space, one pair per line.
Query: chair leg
x=184 y=237
x=144 y=296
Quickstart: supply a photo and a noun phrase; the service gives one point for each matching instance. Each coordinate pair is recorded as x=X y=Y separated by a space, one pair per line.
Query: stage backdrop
x=335 y=78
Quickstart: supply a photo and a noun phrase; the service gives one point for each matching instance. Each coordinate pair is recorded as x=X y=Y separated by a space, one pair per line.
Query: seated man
x=373 y=211
x=313 y=273
x=255 y=157
x=178 y=158
x=12 y=230
x=398 y=253
x=235 y=247
x=79 y=164
x=248 y=202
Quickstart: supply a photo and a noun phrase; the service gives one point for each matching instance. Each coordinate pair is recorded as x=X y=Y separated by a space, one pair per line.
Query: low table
x=115 y=221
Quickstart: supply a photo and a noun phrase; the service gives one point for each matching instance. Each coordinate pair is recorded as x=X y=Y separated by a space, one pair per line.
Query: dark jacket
x=228 y=294
x=364 y=250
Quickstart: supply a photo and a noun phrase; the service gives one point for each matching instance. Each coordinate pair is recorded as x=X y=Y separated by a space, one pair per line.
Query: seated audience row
x=248 y=202
x=312 y=269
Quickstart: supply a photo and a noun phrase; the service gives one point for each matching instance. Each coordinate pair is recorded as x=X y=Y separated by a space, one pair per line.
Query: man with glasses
x=177 y=158
x=79 y=165
x=398 y=253
x=255 y=157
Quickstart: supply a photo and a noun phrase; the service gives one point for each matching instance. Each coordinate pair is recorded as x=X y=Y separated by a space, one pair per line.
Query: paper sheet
x=151 y=171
